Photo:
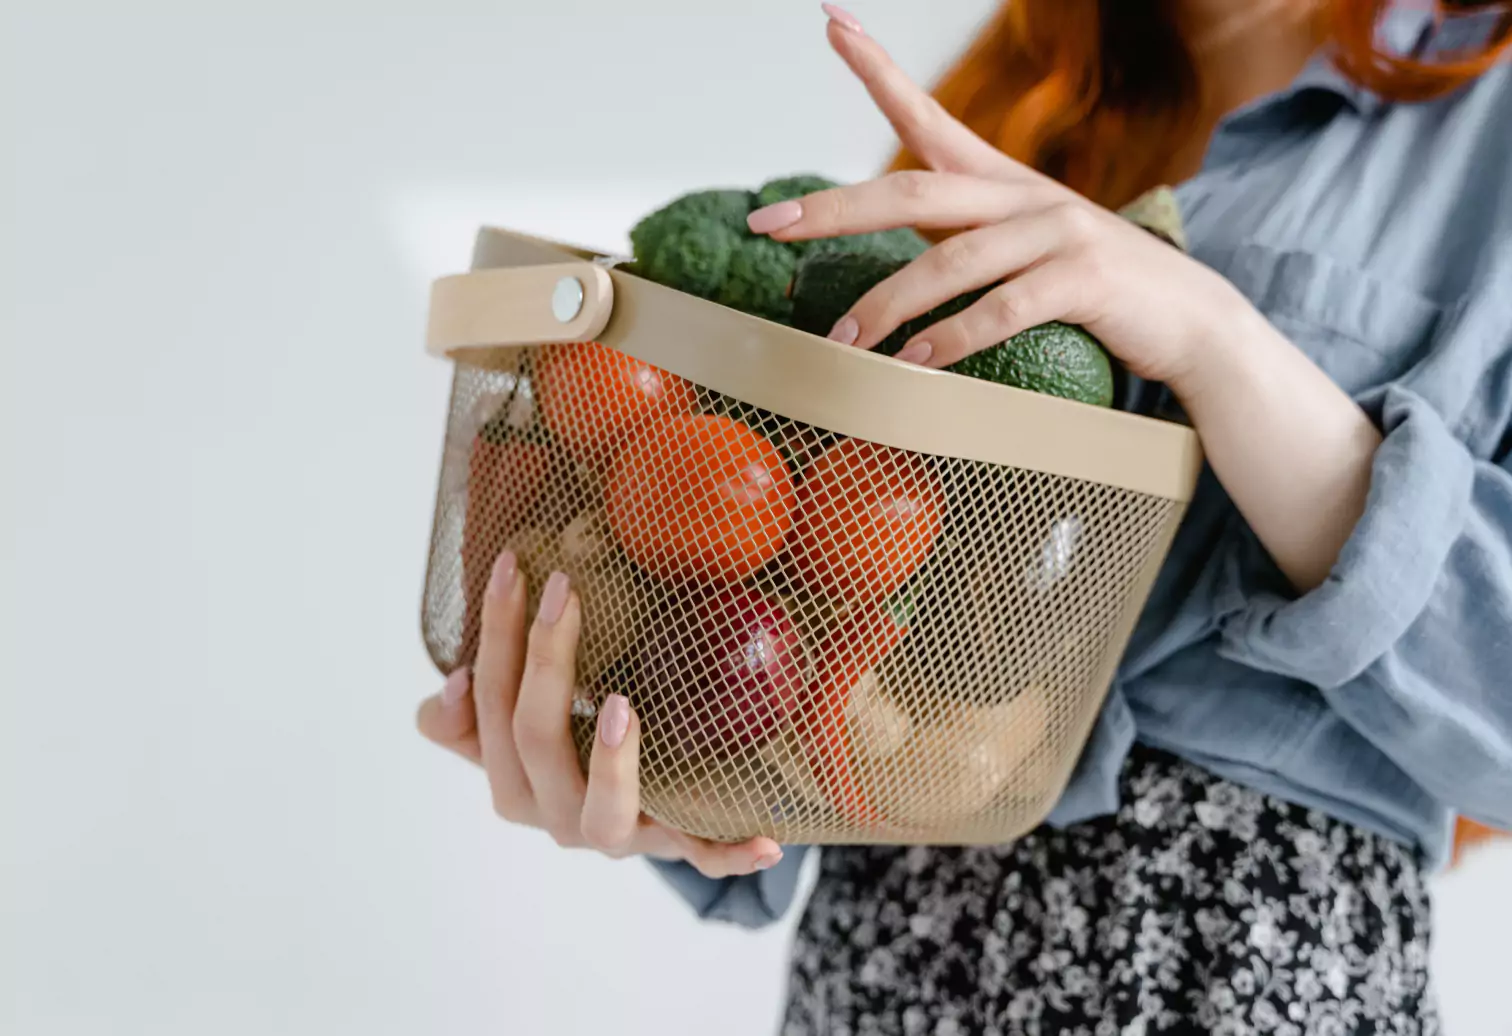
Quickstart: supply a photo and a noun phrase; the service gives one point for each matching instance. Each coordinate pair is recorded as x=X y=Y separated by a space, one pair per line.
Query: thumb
x=450 y=720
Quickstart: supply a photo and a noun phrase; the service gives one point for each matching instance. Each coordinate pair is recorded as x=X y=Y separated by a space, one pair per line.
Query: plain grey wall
x=219 y=445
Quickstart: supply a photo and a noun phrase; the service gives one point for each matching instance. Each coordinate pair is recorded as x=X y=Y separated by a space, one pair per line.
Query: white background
x=217 y=464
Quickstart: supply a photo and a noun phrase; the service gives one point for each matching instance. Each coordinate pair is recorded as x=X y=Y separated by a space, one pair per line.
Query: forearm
x=1291 y=448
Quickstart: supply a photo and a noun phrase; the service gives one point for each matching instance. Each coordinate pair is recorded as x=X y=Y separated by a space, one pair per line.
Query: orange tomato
x=868 y=515
x=702 y=497
x=592 y=396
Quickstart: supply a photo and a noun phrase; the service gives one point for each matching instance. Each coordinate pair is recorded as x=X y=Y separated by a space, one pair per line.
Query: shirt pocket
x=1363 y=330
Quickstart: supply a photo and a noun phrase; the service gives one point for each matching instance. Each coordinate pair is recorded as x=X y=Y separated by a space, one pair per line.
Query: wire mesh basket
x=851 y=600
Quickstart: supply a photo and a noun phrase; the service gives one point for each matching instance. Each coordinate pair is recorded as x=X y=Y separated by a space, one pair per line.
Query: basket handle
x=519 y=305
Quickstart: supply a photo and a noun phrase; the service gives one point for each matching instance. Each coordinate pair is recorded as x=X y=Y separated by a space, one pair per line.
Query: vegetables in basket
x=959 y=759
x=1056 y=359
x=591 y=396
x=701 y=497
x=612 y=591
x=699 y=243
x=725 y=669
x=505 y=477
x=867 y=517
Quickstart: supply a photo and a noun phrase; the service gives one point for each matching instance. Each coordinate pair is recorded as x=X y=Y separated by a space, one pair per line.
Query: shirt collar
x=1404 y=31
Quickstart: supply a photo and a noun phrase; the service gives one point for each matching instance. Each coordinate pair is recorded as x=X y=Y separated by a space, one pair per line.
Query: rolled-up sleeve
x=1410 y=637
x=752 y=901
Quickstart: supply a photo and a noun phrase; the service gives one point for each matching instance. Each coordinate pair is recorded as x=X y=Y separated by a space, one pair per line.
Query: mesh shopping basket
x=852 y=600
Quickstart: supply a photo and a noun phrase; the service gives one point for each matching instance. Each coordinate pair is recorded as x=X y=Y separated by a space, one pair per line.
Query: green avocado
x=1056 y=359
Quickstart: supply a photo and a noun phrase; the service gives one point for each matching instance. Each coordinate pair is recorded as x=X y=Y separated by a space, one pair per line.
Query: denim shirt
x=1378 y=238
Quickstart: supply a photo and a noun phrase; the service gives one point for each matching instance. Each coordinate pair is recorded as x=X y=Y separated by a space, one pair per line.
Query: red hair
x=1099 y=94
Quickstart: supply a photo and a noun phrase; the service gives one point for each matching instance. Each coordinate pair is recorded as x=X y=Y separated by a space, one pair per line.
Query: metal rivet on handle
x=567 y=299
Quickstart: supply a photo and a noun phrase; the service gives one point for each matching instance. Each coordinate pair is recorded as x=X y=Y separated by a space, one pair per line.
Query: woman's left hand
x=1053 y=254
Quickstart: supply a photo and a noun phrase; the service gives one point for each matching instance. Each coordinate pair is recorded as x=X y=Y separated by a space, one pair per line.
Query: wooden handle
x=522 y=305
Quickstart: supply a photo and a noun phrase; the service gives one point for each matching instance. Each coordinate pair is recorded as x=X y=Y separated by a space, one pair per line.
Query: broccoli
x=787 y=188
x=760 y=273
x=729 y=207
x=699 y=243
x=690 y=253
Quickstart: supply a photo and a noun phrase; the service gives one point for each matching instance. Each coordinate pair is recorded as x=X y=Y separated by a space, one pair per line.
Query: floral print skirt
x=1201 y=906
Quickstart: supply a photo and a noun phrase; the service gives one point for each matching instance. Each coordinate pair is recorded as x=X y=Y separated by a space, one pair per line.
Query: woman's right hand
x=512 y=715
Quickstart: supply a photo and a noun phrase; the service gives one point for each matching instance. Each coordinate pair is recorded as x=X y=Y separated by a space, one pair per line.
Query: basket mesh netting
x=827 y=640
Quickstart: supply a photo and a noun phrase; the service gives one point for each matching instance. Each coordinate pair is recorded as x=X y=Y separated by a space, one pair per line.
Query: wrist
x=1230 y=343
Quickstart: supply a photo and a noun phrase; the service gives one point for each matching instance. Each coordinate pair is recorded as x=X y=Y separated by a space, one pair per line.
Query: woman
x=1317 y=687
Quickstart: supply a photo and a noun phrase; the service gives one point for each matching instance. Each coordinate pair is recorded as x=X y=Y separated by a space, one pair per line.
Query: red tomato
x=868 y=515
x=592 y=396
x=702 y=497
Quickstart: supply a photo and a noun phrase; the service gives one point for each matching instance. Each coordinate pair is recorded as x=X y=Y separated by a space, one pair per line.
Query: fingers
x=611 y=806
x=912 y=198
x=543 y=714
x=719 y=860
x=1037 y=297
x=957 y=265
x=935 y=137
x=449 y=720
x=496 y=685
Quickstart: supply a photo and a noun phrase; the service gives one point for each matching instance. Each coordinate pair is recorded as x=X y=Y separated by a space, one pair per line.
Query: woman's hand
x=1292 y=449
x=1053 y=254
x=512 y=716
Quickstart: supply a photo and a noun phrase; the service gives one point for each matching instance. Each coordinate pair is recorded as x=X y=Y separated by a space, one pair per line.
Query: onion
x=727 y=668
x=959 y=762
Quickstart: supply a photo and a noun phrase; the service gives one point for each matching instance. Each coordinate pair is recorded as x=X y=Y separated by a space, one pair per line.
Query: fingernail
x=553 y=599
x=774 y=217
x=842 y=16
x=916 y=352
x=766 y=863
x=846 y=331
x=614 y=720
x=502 y=580
x=455 y=687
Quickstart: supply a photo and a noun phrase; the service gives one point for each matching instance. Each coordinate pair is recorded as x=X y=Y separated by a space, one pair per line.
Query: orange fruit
x=701 y=497
x=592 y=396
x=868 y=516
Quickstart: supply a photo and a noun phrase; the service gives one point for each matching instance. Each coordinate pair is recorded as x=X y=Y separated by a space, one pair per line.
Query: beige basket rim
x=802 y=376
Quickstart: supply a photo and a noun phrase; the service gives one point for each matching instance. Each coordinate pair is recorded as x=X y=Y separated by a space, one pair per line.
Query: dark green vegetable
x=699 y=243
x=689 y=252
x=1056 y=359
x=758 y=278
x=786 y=188
x=721 y=205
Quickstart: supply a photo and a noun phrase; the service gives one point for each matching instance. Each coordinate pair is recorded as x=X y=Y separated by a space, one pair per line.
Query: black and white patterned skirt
x=1202 y=906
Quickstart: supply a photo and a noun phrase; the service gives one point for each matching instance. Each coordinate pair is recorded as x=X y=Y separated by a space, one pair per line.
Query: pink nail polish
x=766 y=863
x=774 y=217
x=553 y=600
x=502 y=580
x=841 y=16
x=916 y=353
x=455 y=687
x=614 y=720
x=846 y=331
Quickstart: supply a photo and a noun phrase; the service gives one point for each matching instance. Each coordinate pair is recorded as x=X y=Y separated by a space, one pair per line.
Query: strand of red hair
x=1100 y=93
